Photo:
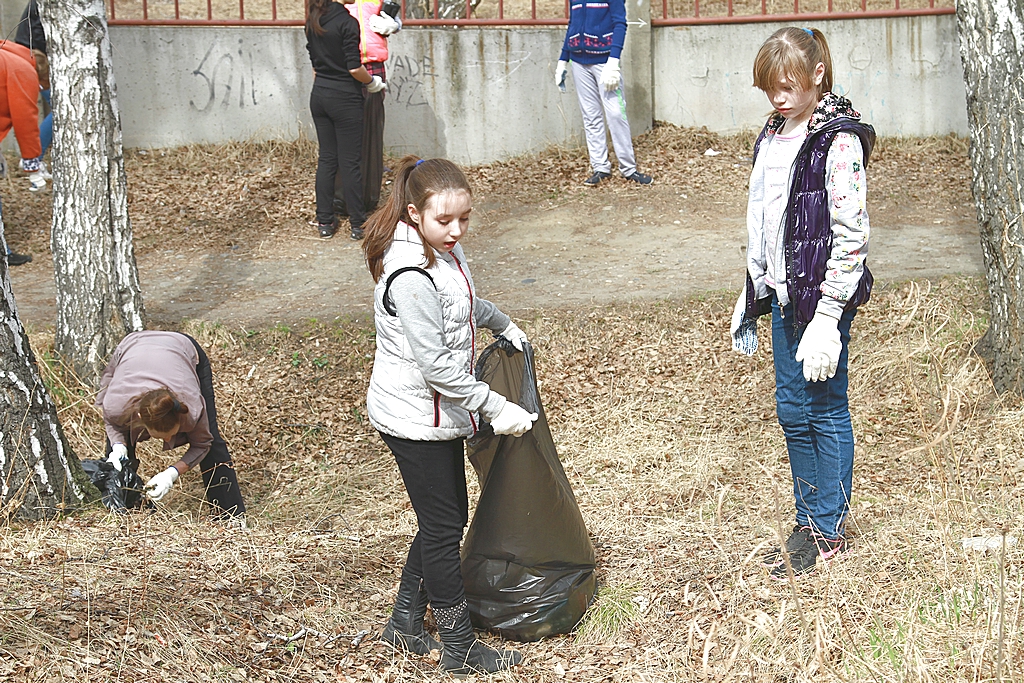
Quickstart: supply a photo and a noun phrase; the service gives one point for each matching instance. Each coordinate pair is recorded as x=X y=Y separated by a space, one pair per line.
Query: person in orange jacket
x=19 y=109
x=19 y=106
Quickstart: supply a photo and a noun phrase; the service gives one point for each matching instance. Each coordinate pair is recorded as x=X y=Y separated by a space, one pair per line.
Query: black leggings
x=435 y=477
x=338 y=119
x=216 y=468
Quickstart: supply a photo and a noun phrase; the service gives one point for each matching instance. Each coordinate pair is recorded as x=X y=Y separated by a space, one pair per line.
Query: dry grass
x=671 y=444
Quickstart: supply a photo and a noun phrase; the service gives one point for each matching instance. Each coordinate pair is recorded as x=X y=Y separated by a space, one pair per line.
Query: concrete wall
x=181 y=85
x=476 y=95
x=470 y=95
x=10 y=13
x=904 y=75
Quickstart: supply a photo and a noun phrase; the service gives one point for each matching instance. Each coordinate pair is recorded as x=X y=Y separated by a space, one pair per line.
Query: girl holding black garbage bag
x=159 y=385
x=424 y=400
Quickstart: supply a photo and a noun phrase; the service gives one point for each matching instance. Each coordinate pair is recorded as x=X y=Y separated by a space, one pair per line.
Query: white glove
x=376 y=85
x=513 y=420
x=561 y=69
x=158 y=486
x=36 y=182
x=118 y=456
x=819 y=348
x=383 y=24
x=743 y=329
x=514 y=335
x=610 y=74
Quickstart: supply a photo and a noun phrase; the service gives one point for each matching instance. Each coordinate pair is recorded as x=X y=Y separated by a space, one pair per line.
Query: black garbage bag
x=122 y=490
x=527 y=561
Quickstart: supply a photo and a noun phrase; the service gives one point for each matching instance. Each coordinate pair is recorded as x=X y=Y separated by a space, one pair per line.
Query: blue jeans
x=46 y=126
x=815 y=417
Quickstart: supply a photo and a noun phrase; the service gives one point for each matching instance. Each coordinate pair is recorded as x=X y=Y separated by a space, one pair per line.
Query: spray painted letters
x=407 y=77
x=220 y=73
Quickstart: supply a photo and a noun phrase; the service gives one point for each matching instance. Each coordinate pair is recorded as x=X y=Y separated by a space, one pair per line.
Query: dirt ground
x=670 y=441
x=221 y=231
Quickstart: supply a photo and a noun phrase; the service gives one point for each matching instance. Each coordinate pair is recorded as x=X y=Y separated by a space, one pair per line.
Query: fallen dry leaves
x=235 y=197
x=669 y=440
x=671 y=444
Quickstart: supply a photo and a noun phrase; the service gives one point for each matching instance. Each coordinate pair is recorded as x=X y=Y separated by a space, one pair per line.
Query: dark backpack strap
x=389 y=305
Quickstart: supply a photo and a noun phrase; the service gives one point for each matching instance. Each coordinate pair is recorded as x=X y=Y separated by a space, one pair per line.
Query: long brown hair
x=793 y=53
x=42 y=68
x=315 y=10
x=158 y=409
x=416 y=181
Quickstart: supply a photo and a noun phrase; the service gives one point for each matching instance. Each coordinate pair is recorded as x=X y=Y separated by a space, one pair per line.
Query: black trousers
x=338 y=118
x=372 y=160
x=435 y=478
x=217 y=470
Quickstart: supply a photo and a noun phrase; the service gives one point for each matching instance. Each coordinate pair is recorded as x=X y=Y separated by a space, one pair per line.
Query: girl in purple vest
x=807 y=228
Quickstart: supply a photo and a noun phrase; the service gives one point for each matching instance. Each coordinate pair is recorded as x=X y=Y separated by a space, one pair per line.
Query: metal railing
x=516 y=12
x=691 y=12
x=206 y=12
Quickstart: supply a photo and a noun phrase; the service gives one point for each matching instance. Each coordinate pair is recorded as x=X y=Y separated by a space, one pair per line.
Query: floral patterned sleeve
x=847 y=187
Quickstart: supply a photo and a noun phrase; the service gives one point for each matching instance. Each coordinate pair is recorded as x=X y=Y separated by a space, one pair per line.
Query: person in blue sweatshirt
x=593 y=45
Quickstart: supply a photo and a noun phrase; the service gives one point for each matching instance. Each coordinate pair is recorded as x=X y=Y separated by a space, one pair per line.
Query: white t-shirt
x=778 y=169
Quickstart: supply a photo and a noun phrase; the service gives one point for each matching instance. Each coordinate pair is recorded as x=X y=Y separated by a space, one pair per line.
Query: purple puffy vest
x=808 y=233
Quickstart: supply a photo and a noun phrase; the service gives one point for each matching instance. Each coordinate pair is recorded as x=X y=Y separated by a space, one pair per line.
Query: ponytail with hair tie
x=158 y=409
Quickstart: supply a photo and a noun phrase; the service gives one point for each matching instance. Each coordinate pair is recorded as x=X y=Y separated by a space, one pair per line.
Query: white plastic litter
x=983 y=544
x=710 y=152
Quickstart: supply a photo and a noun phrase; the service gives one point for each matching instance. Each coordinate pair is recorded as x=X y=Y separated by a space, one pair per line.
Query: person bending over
x=159 y=385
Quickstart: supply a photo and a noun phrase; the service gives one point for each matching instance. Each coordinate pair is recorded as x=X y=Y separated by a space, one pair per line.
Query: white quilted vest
x=399 y=402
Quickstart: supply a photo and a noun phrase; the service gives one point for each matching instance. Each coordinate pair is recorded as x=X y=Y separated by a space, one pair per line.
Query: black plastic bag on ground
x=527 y=561
x=122 y=490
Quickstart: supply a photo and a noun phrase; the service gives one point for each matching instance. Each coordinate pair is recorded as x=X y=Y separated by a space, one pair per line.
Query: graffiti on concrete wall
x=226 y=77
x=407 y=79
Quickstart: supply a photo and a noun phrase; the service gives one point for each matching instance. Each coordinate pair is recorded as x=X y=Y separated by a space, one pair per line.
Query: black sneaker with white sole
x=773 y=558
x=640 y=178
x=596 y=178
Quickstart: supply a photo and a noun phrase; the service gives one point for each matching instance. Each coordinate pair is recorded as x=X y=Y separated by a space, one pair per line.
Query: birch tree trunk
x=992 y=51
x=40 y=477
x=98 y=295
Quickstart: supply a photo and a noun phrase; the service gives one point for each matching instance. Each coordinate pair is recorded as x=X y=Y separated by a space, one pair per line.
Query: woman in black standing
x=332 y=38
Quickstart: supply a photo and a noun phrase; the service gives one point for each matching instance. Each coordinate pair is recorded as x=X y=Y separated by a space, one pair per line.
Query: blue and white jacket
x=597 y=31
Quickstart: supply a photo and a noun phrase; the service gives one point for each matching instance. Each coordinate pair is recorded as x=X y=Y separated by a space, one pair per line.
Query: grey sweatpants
x=597 y=105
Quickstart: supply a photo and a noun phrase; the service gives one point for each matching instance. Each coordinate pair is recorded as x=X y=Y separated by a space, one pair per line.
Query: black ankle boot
x=405 y=627
x=463 y=654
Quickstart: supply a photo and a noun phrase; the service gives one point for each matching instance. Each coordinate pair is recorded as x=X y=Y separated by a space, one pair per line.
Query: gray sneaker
x=804 y=559
x=774 y=557
x=16 y=259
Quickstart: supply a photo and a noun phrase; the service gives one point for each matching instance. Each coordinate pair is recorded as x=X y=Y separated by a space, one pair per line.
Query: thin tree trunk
x=98 y=295
x=40 y=477
x=992 y=51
